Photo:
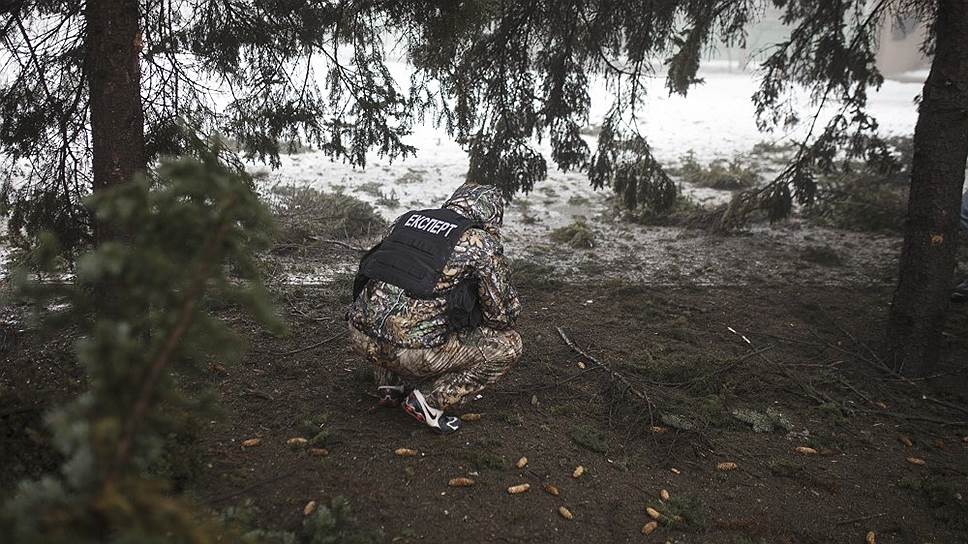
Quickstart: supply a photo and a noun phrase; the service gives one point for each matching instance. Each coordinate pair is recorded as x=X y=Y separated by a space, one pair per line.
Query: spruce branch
x=186 y=314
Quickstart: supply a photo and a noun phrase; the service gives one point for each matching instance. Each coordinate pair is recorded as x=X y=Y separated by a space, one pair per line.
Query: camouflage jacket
x=385 y=312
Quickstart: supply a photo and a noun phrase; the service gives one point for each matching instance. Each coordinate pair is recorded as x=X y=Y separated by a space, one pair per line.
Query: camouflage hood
x=482 y=203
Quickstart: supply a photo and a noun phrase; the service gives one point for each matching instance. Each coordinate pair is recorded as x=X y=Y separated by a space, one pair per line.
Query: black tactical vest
x=413 y=257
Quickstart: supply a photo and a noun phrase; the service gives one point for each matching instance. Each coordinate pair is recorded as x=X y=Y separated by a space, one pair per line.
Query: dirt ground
x=699 y=353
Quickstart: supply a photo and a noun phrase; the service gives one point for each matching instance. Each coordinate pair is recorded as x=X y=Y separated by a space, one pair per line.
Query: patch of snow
x=320 y=274
x=4 y=262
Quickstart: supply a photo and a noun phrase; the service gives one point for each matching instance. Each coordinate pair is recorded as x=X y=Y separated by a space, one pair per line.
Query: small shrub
x=302 y=214
x=311 y=426
x=577 y=235
x=863 y=202
x=527 y=217
x=719 y=174
x=413 y=175
x=684 y=211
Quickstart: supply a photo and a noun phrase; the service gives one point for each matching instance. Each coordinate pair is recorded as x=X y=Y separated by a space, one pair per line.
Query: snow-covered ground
x=715 y=121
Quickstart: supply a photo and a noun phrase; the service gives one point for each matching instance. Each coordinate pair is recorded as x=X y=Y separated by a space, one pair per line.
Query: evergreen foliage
x=332 y=523
x=498 y=75
x=863 y=199
x=191 y=225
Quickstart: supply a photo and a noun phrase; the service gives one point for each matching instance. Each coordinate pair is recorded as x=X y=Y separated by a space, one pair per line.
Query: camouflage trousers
x=467 y=363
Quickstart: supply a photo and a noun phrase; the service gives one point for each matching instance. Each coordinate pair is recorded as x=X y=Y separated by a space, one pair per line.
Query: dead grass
x=683 y=212
x=773 y=148
x=736 y=174
x=303 y=214
x=525 y=273
x=577 y=235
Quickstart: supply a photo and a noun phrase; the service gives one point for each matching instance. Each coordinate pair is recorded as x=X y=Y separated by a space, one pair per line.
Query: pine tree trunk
x=113 y=44
x=937 y=175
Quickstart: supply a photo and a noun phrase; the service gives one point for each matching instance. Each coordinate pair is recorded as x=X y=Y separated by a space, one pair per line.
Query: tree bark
x=112 y=65
x=937 y=175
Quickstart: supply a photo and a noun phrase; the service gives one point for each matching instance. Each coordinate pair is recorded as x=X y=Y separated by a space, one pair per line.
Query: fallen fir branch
x=642 y=395
x=720 y=370
x=878 y=364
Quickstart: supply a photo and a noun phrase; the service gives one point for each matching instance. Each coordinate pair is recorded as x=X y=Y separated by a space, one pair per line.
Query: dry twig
x=642 y=395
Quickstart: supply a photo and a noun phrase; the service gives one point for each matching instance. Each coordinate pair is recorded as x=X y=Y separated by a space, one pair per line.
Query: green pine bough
x=192 y=230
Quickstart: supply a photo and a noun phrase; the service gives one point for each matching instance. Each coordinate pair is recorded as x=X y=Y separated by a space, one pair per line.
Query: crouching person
x=434 y=308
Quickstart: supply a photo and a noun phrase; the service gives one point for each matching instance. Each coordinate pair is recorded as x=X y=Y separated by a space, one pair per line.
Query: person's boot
x=416 y=405
x=960 y=293
x=391 y=395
